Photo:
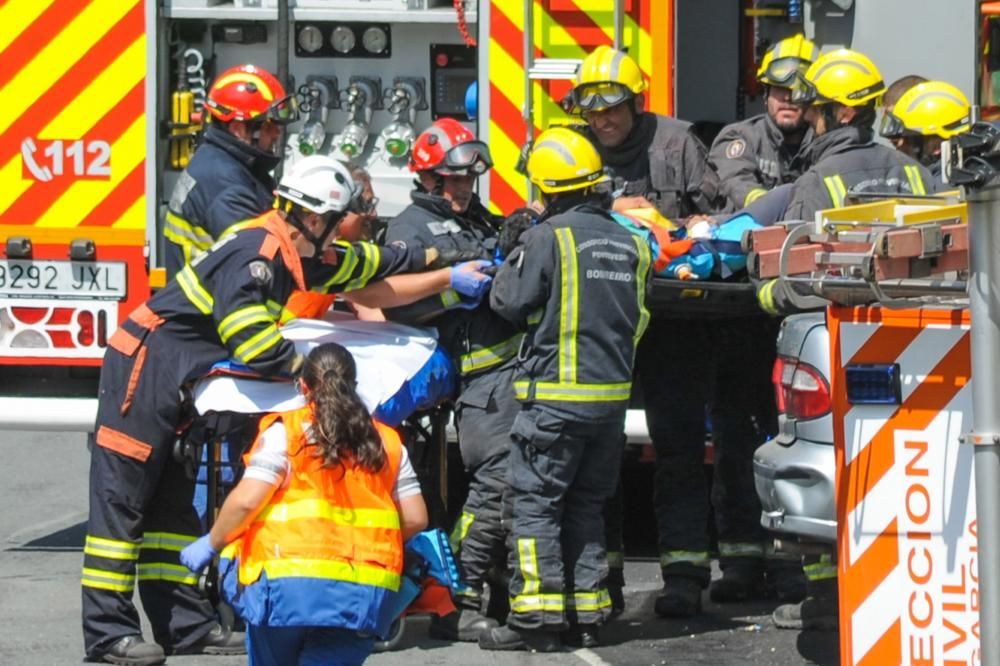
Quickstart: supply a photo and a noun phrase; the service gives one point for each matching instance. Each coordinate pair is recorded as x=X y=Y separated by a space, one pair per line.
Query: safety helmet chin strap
x=296 y=218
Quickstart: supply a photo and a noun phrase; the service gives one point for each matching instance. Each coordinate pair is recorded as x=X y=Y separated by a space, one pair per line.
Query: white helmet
x=319 y=184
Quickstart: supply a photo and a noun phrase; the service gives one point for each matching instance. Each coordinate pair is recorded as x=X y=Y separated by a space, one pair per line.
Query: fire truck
x=100 y=109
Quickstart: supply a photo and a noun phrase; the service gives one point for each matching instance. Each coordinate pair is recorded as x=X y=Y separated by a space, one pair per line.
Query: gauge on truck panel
x=339 y=39
x=309 y=39
x=375 y=40
x=342 y=39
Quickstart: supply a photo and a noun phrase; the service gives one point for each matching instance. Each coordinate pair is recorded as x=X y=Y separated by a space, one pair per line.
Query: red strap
x=277 y=230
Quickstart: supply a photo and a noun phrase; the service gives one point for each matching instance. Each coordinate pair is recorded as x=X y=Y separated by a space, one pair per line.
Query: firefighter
x=755 y=155
x=577 y=285
x=446 y=214
x=924 y=116
x=226 y=304
x=229 y=178
x=685 y=365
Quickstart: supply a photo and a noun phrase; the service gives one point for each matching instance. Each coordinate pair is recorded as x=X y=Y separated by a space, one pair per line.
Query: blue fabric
x=721 y=255
x=434 y=382
x=308 y=602
x=306 y=646
x=231 y=452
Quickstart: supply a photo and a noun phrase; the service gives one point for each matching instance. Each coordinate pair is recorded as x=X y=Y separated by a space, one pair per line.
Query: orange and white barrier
x=907 y=556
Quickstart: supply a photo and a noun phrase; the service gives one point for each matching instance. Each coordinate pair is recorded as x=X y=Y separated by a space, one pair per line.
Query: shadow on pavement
x=67 y=539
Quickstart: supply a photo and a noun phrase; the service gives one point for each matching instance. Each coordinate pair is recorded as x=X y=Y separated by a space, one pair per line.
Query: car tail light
x=800 y=389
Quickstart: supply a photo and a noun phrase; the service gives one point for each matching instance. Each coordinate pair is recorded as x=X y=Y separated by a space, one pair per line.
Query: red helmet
x=246 y=92
x=449 y=149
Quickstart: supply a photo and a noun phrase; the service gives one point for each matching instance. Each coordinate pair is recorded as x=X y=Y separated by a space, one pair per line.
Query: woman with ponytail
x=311 y=539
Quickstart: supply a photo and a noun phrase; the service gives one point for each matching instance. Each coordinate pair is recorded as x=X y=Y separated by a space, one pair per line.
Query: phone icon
x=28 y=149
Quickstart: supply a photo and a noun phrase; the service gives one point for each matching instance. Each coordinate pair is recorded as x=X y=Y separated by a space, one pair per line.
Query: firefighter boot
x=681 y=597
x=740 y=581
x=133 y=651
x=220 y=640
x=616 y=590
x=786 y=581
x=507 y=638
x=818 y=611
x=582 y=636
x=465 y=625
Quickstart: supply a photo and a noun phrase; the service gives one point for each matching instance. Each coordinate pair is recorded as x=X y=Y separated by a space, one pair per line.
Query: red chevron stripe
x=920 y=408
x=126 y=193
x=887 y=650
x=502 y=194
x=73 y=82
x=37 y=35
x=40 y=196
x=507 y=35
x=579 y=24
x=505 y=115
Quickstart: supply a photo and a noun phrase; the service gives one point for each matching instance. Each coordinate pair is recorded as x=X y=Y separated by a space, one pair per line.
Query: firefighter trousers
x=562 y=472
x=685 y=367
x=484 y=414
x=141 y=512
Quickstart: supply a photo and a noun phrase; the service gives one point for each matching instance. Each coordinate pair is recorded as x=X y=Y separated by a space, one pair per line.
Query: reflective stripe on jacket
x=327 y=550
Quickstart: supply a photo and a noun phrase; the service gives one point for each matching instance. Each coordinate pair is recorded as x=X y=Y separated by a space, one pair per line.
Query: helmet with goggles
x=933 y=108
x=448 y=148
x=250 y=93
x=562 y=160
x=785 y=60
x=606 y=78
x=842 y=76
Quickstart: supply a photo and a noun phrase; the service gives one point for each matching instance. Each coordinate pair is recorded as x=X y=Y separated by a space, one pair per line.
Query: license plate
x=62 y=279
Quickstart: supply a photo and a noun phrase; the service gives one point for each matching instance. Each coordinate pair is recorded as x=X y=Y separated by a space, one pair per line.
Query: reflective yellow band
x=279 y=312
x=348 y=262
x=189 y=283
x=239 y=226
x=569 y=303
x=244 y=317
x=765 y=297
x=825 y=569
x=167 y=541
x=182 y=232
x=450 y=297
x=348 y=572
x=589 y=601
x=835 y=186
x=488 y=357
x=916 y=182
x=572 y=392
x=323 y=510
x=527 y=558
x=616 y=559
x=371 y=261
x=753 y=195
x=257 y=344
x=107 y=580
x=173 y=573
x=110 y=548
x=641 y=277
x=697 y=558
x=732 y=549
x=461 y=530
x=533 y=603
x=535 y=317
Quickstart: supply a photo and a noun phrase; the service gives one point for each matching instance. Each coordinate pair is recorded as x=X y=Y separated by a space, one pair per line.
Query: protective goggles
x=891 y=126
x=803 y=91
x=471 y=158
x=596 y=96
x=782 y=72
x=281 y=112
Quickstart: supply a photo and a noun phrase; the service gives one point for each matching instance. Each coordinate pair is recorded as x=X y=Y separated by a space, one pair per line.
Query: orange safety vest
x=327 y=550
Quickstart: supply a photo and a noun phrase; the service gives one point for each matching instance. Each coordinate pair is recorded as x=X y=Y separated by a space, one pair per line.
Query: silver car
x=794 y=472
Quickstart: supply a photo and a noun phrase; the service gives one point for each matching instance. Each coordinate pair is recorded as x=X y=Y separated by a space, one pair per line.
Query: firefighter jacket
x=846 y=161
x=327 y=550
x=578 y=286
x=665 y=162
x=753 y=156
x=229 y=301
x=227 y=182
x=476 y=339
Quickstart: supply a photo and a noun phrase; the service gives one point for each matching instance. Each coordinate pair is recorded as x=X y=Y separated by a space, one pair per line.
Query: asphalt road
x=42 y=526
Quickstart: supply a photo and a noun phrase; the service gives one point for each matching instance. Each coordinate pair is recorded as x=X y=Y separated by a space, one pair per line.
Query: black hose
x=283 y=74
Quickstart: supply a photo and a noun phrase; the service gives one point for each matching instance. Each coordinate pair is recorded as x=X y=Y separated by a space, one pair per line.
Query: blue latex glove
x=468 y=281
x=197 y=555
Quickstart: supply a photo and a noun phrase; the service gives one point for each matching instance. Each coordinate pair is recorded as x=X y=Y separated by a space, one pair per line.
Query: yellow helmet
x=607 y=77
x=785 y=60
x=562 y=160
x=934 y=108
x=843 y=76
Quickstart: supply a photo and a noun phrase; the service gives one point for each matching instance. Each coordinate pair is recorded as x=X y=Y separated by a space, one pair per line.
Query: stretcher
x=404 y=379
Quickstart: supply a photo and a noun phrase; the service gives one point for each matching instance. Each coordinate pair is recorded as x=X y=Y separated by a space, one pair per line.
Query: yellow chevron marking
x=134 y=217
x=505 y=154
x=16 y=16
x=500 y=61
x=58 y=56
x=101 y=96
x=84 y=195
x=12 y=186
